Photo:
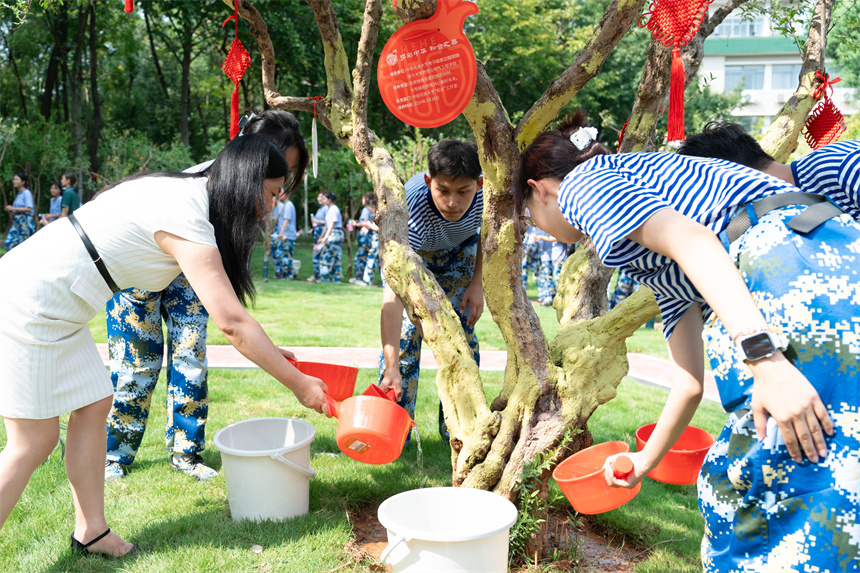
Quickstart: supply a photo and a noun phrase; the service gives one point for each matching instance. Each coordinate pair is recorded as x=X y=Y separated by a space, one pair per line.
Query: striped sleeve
x=607 y=206
x=832 y=171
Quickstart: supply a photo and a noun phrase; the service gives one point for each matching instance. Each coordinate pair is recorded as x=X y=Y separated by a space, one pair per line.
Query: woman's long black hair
x=551 y=155
x=237 y=206
x=282 y=129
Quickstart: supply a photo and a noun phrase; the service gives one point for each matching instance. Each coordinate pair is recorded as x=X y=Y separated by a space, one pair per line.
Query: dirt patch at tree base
x=574 y=546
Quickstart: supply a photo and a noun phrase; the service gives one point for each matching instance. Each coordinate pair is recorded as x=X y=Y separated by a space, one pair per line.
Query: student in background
x=368 y=243
x=22 y=212
x=56 y=206
x=330 y=243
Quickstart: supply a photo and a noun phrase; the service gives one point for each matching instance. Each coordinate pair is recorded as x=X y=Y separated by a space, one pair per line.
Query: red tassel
x=676 y=98
x=129 y=6
x=234 y=112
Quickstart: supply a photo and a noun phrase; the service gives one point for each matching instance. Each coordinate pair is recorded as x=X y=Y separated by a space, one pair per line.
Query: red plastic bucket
x=370 y=429
x=682 y=462
x=582 y=481
x=339 y=379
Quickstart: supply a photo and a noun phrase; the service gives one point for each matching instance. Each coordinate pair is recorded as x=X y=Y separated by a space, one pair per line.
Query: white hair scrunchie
x=583 y=136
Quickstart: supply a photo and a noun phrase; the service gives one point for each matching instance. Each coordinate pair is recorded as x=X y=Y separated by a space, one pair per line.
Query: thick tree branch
x=616 y=21
x=361 y=75
x=653 y=93
x=780 y=139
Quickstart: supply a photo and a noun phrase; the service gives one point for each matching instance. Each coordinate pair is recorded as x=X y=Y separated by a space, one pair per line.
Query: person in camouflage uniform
x=330 y=242
x=364 y=263
x=136 y=344
x=535 y=260
x=445 y=206
x=779 y=490
x=22 y=210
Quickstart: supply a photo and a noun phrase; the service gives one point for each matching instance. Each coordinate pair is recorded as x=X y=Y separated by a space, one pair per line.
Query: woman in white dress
x=141 y=233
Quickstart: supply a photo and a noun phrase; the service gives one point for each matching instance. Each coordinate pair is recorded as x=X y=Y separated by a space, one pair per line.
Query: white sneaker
x=192 y=464
x=113 y=471
x=312 y=279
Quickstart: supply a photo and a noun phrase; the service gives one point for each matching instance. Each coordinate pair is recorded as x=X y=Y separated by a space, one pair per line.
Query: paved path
x=643 y=368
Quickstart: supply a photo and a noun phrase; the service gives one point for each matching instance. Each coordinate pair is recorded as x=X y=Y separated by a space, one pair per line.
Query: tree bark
x=75 y=87
x=780 y=139
x=158 y=73
x=59 y=28
x=95 y=130
x=17 y=77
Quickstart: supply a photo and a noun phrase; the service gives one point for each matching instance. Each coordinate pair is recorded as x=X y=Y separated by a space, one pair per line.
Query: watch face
x=758 y=346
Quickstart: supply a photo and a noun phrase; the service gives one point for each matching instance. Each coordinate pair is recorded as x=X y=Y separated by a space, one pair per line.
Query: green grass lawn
x=187 y=525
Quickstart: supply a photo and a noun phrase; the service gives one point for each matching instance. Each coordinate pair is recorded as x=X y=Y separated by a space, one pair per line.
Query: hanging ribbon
x=826 y=123
x=314 y=146
x=237 y=61
x=675 y=22
x=621 y=134
x=129 y=6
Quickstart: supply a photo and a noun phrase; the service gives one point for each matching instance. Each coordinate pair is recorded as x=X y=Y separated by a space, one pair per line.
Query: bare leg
x=28 y=444
x=86 y=443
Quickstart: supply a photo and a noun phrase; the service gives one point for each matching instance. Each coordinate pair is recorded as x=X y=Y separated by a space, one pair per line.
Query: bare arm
x=204 y=270
x=779 y=389
x=391 y=319
x=687 y=376
x=474 y=293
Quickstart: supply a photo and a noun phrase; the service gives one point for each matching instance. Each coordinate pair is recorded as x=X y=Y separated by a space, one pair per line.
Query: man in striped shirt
x=834 y=168
x=445 y=207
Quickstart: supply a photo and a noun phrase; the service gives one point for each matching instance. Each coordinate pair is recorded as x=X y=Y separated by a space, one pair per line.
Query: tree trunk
x=185 y=88
x=158 y=73
x=59 y=30
x=75 y=88
x=17 y=77
x=550 y=390
x=95 y=130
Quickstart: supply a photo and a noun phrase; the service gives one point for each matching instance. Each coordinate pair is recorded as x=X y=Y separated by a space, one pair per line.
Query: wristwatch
x=759 y=344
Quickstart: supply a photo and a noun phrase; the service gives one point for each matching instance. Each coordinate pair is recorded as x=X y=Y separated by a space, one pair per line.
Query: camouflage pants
x=453 y=269
x=362 y=254
x=370 y=269
x=624 y=287
x=21 y=230
x=136 y=347
x=764 y=512
x=317 y=233
x=282 y=257
x=330 y=254
x=541 y=267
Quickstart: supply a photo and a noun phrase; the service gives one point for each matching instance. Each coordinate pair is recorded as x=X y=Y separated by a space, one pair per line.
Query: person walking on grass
x=445 y=206
x=22 y=212
x=56 y=205
x=331 y=241
x=364 y=264
x=286 y=226
x=141 y=232
x=136 y=344
x=783 y=289
x=318 y=224
x=71 y=199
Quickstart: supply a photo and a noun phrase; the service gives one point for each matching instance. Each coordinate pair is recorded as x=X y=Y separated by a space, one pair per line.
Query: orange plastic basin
x=370 y=429
x=339 y=379
x=682 y=462
x=582 y=480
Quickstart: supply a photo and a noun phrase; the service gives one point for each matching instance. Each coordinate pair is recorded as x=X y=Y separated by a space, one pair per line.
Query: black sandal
x=83 y=548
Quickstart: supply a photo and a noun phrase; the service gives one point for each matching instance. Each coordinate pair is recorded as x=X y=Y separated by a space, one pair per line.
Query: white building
x=748 y=52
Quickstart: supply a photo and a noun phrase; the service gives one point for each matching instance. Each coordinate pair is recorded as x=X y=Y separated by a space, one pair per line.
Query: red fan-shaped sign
x=427 y=69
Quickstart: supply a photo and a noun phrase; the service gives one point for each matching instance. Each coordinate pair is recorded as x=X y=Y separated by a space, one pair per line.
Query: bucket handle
x=307 y=472
x=397 y=541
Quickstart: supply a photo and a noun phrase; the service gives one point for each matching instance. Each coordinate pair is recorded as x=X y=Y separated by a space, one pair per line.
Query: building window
x=753 y=124
x=750 y=77
x=785 y=76
x=738 y=28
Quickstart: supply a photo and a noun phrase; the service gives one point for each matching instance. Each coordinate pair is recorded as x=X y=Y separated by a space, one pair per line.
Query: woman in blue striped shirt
x=658 y=216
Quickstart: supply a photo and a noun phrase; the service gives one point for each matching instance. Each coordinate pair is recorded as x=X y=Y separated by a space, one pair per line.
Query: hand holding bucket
x=370 y=428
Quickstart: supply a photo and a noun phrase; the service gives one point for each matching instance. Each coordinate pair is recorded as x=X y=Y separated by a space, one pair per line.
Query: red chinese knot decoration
x=237 y=61
x=675 y=22
x=826 y=123
x=427 y=70
x=129 y=6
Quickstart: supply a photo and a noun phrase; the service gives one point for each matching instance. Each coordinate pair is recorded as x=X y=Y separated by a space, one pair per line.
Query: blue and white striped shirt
x=428 y=229
x=610 y=196
x=834 y=171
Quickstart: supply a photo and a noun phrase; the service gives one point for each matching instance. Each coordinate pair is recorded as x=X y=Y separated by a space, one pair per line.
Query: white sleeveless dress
x=50 y=288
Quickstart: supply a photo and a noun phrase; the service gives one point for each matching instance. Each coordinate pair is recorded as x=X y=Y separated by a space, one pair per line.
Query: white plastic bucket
x=266 y=463
x=448 y=529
